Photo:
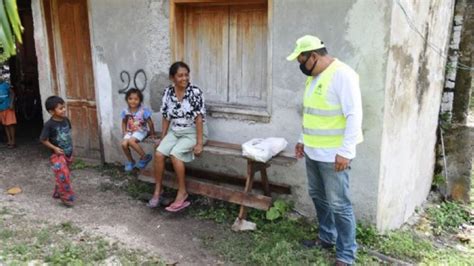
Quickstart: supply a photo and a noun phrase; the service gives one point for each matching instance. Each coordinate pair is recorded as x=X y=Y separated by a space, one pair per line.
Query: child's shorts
x=7 y=117
x=140 y=136
x=180 y=144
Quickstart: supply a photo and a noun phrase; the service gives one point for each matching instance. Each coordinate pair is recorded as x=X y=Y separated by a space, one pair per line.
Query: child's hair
x=52 y=102
x=176 y=65
x=136 y=91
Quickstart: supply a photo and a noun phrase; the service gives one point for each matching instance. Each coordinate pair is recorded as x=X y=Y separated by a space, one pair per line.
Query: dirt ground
x=176 y=238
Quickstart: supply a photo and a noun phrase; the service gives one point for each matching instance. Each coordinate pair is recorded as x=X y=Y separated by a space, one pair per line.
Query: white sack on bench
x=262 y=150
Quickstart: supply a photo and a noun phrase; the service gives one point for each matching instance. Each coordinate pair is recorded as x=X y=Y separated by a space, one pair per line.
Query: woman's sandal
x=178 y=205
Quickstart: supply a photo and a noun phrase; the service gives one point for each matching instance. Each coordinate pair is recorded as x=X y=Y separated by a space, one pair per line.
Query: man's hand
x=341 y=163
x=299 y=150
x=58 y=151
x=198 y=149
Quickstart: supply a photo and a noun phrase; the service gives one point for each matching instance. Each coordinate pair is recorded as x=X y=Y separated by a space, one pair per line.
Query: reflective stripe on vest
x=323 y=123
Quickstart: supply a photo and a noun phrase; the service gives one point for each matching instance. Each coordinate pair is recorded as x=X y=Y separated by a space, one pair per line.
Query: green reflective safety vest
x=323 y=123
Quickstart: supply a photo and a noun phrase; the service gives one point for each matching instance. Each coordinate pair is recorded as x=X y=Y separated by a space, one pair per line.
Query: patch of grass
x=42 y=237
x=4 y=211
x=5 y=233
x=447 y=216
x=68 y=227
x=58 y=245
x=403 y=245
x=278 y=241
x=78 y=164
x=137 y=189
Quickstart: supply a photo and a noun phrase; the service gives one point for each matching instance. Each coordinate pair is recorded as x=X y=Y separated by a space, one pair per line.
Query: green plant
x=438 y=180
x=403 y=245
x=5 y=233
x=447 y=216
x=367 y=235
x=68 y=227
x=79 y=164
x=10 y=27
x=279 y=209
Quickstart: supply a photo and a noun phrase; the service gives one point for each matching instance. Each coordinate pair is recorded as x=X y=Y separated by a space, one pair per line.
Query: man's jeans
x=330 y=193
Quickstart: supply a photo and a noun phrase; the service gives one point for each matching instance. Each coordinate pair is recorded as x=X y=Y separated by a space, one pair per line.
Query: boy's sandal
x=11 y=146
x=67 y=203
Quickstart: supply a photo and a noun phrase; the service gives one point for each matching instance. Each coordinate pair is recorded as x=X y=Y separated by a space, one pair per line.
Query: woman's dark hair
x=176 y=65
x=52 y=102
x=136 y=91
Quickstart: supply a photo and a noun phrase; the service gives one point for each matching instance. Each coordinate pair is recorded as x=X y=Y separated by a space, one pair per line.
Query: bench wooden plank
x=194 y=186
x=232 y=149
x=223 y=178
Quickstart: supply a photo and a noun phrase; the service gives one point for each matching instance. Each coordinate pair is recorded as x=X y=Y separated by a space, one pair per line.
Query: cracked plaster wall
x=414 y=84
x=132 y=35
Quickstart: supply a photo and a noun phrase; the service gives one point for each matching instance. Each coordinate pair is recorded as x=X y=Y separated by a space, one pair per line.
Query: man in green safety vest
x=332 y=120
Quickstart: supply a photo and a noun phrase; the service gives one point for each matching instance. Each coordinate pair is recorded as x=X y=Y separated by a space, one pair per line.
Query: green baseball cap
x=305 y=43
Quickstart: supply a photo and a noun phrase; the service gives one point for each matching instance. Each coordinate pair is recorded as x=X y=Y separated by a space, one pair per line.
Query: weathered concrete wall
x=350 y=41
x=132 y=35
x=42 y=54
x=414 y=83
x=127 y=35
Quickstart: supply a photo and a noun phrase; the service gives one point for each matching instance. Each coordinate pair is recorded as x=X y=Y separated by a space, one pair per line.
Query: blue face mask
x=306 y=71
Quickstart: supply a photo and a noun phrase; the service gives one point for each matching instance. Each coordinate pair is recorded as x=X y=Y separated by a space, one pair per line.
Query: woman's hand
x=198 y=149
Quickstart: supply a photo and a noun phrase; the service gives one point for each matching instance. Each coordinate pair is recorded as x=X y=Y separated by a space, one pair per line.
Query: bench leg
x=266 y=186
x=248 y=187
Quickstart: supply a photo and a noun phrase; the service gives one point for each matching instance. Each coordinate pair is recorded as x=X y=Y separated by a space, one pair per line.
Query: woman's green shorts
x=180 y=144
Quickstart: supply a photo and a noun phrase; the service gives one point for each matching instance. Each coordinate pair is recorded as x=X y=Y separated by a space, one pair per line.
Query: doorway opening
x=21 y=71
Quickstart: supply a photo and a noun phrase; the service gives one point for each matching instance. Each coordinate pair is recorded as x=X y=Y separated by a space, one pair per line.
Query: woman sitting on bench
x=183 y=133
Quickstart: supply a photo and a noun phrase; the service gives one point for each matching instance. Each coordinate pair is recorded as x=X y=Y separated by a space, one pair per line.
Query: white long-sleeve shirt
x=343 y=90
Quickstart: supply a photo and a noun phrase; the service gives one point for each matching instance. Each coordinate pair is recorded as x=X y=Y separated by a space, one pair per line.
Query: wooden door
x=206 y=38
x=71 y=40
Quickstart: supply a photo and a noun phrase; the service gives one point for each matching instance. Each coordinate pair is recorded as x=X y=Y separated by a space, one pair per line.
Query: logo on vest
x=319 y=89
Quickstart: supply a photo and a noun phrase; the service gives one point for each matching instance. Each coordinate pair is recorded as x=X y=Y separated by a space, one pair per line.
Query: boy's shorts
x=7 y=117
x=180 y=144
x=140 y=136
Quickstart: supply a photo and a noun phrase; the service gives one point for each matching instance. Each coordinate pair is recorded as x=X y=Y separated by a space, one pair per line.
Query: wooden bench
x=238 y=189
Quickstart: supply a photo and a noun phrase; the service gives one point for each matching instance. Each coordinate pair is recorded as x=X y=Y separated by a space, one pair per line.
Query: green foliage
x=445 y=120
x=137 y=189
x=438 y=180
x=279 y=209
x=68 y=227
x=10 y=27
x=79 y=164
x=404 y=245
x=367 y=235
x=5 y=233
x=58 y=244
x=447 y=216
